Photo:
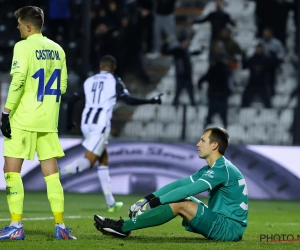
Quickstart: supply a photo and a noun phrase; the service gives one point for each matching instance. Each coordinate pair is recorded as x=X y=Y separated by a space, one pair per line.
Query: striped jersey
x=101 y=92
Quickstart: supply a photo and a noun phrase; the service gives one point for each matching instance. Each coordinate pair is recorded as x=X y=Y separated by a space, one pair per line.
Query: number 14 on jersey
x=47 y=90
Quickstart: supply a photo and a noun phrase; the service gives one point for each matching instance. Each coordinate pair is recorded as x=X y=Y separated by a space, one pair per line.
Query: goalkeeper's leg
x=162 y=214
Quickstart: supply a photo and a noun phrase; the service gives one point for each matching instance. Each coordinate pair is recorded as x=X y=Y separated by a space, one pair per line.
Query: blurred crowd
x=225 y=55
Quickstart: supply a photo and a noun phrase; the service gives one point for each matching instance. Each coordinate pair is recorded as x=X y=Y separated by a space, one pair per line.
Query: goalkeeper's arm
x=165 y=189
x=171 y=186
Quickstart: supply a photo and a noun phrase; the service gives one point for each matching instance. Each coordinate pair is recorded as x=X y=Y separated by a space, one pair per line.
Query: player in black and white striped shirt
x=101 y=93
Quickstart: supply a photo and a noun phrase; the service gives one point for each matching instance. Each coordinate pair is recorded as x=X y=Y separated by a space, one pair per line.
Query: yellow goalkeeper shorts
x=24 y=144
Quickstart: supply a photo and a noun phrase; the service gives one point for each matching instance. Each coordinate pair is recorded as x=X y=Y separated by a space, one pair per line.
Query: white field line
x=51 y=218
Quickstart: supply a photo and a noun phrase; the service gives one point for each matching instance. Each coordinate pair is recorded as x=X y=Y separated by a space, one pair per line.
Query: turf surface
x=265 y=218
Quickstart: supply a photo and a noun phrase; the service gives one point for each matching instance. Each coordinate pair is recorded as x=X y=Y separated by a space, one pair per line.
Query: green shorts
x=213 y=225
x=24 y=144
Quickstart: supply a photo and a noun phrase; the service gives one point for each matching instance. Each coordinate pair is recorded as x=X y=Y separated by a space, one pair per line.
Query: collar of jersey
x=35 y=35
x=218 y=160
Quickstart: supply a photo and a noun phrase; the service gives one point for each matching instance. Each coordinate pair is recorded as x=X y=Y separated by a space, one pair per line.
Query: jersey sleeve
x=19 y=69
x=184 y=192
x=120 y=88
x=20 y=59
x=188 y=186
x=171 y=186
x=64 y=76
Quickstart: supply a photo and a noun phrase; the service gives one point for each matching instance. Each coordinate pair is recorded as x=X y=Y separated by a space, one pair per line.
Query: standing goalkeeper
x=30 y=117
x=225 y=218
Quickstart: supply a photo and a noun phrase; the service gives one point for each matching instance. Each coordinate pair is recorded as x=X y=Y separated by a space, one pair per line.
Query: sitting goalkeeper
x=225 y=217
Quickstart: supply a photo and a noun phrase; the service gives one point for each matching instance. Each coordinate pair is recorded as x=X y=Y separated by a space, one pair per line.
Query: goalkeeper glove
x=5 y=125
x=156 y=99
x=137 y=205
x=146 y=207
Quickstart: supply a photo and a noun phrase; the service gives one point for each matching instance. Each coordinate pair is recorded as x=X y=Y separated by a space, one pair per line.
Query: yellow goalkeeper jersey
x=39 y=77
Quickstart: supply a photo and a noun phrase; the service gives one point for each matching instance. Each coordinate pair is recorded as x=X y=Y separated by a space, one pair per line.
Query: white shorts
x=96 y=138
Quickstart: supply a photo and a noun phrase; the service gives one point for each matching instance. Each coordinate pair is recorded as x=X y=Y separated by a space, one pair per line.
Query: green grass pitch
x=265 y=217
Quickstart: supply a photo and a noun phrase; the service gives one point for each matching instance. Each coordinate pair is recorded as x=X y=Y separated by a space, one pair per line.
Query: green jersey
x=226 y=185
x=228 y=194
x=39 y=78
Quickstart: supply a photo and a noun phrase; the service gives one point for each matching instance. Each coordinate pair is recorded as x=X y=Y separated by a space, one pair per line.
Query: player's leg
x=48 y=149
x=197 y=218
x=20 y=146
x=208 y=223
x=93 y=138
x=154 y=217
x=104 y=178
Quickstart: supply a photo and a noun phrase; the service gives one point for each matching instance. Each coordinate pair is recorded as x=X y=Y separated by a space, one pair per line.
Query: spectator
x=218 y=78
x=277 y=16
x=110 y=32
x=117 y=23
x=100 y=34
x=261 y=9
x=134 y=39
x=231 y=46
x=258 y=83
x=145 y=22
x=218 y=19
x=164 y=20
x=274 y=49
x=183 y=67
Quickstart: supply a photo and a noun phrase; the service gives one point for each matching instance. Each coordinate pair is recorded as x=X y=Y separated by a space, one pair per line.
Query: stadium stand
x=255 y=124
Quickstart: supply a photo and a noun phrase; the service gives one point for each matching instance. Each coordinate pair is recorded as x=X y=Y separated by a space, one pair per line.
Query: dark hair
x=31 y=14
x=219 y=135
x=108 y=61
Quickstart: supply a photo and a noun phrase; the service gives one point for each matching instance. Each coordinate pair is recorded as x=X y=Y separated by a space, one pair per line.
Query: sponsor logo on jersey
x=47 y=54
x=209 y=173
x=15 y=65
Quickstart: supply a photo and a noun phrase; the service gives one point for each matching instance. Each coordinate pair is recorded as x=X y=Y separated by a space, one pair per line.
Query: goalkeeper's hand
x=136 y=207
x=5 y=125
x=156 y=99
x=146 y=207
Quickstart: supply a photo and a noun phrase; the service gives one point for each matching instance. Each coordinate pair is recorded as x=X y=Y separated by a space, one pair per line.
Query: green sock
x=153 y=217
